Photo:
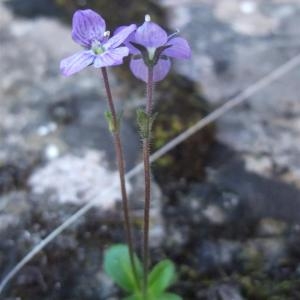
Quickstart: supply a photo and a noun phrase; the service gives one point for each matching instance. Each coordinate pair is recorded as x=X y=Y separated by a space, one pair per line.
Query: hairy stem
x=147 y=178
x=121 y=167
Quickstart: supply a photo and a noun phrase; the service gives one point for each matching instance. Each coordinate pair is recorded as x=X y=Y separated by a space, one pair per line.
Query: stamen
x=106 y=33
x=147 y=18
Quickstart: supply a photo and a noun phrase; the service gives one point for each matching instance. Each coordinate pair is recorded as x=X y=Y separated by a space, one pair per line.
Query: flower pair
x=149 y=45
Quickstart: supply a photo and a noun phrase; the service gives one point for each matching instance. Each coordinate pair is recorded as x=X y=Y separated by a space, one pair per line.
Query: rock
x=14 y=173
x=293 y=244
x=64 y=111
x=47 y=129
x=231 y=52
x=208 y=204
x=224 y=292
x=108 y=288
x=262 y=253
x=260 y=197
x=245 y=17
x=214 y=214
x=215 y=254
x=157 y=233
x=51 y=152
x=8 y=177
x=33 y=7
x=271 y=227
x=77 y=180
x=177 y=239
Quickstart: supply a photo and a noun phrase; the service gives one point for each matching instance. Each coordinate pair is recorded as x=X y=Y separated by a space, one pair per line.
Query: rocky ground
x=226 y=204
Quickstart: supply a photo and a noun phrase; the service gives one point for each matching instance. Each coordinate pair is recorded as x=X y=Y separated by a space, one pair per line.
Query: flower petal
x=87 y=26
x=129 y=39
x=179 y=48
x=140 y=70
x=161 y=69
x=150 y=35
x=112 y=57
x=76 y=62
x=120 y=36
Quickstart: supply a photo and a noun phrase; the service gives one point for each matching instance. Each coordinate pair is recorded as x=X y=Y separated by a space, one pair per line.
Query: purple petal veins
x=139 y=69
x=101 y=51
x=87 y=27
x=129 y=39
x=160 y=70
x=150 y=34
x=112 y=57
x=120 y=36
x=76 y=62
x=179 y=48
x=151 y=48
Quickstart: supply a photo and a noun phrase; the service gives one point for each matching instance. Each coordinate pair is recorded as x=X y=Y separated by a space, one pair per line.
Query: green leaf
x=117 y=265
x=164 y=296
x=168 y=296
x=143 y=121
x=134 y=297
x=161 y=277
x=113 y=126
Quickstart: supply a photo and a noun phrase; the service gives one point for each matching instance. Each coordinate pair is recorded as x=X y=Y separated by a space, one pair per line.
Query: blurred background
x=226 y=202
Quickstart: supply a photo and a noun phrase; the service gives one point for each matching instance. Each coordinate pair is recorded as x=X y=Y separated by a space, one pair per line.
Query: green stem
x=147 y=178
x=121 y=167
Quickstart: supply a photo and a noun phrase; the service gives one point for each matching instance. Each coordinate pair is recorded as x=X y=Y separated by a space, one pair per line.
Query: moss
x=180 y=105
x=261 y=287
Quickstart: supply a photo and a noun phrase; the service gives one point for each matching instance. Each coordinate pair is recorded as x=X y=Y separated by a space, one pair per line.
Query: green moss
x=180 y=105
x=261 y=287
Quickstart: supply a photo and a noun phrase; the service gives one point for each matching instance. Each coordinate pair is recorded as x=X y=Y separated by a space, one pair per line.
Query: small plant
x=117 y=265
x=151 y=49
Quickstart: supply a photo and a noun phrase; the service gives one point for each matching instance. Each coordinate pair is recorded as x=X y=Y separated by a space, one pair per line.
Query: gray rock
x=271 y=227
x=214 y=255
x=12 y=207
x=235 y=43
x=77 y=180
x=260 y=197
x=267 y=252
x=225 y=291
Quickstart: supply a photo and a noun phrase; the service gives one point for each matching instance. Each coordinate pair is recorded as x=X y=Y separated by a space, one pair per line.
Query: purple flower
x=100 y=50
x=150 y=46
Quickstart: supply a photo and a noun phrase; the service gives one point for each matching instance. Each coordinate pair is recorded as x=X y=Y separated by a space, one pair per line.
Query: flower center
x=97 y=48
x=151 y=52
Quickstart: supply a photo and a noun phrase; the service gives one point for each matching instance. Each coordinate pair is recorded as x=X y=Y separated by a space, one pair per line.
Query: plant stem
x=147 y=178
x=121 y=167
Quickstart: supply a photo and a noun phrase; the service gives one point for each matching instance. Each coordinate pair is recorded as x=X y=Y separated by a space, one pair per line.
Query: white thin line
x=230 y=104
x=233 y=102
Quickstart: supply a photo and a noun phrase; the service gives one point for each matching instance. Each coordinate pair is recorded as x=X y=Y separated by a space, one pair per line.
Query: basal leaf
x=168 y=296
x=161 y=277
x=163 y=296
x=117 y=266
x=133 y=297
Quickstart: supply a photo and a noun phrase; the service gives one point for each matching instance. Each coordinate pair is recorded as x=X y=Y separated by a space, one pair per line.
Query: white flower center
x=97 y=48
x=151 y=52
